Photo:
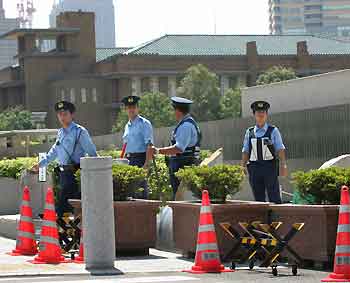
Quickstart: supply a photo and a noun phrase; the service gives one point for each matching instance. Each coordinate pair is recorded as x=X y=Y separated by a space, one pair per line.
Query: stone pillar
x=98 y=215
x=136 y=86
x=172 y=86
x=154 y=84
x=224 y=84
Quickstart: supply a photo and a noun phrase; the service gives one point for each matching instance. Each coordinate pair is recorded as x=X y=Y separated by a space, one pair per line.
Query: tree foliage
x=202 y=87
x=155 y=107
x=276 y=74
x=15 y=119
x=231 y=104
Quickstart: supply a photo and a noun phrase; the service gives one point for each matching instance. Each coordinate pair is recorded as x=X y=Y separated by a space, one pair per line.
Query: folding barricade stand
x=261 y=243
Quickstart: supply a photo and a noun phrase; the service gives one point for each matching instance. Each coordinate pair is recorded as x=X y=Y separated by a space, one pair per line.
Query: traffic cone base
x=207 y=253
x=25 y=242
x=333 y=277
x=341 y=272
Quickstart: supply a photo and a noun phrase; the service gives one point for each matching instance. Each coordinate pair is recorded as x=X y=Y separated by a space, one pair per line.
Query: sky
x=139 y=21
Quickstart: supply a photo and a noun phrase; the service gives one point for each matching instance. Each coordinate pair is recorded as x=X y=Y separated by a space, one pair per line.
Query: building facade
x=96 y=79
x=104 y=17
x=8 y=48
x=322 y=17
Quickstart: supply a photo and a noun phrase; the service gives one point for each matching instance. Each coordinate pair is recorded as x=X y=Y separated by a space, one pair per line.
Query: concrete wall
x=10 y=197
x=305 y=93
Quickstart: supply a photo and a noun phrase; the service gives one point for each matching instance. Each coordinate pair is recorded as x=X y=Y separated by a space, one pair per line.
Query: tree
x=231 y=104
x=15 y=119
x=201 y=86
x=276 y=74
x=155 y=107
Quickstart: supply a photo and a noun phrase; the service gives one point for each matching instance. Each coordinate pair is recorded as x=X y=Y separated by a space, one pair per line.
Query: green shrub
x=126 y=180
x=13 y=168
x=111 y=152
x=158 y=181
x=220 y=180
x=322 y=186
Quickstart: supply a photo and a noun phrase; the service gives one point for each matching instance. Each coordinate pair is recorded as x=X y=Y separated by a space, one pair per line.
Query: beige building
x=327 y=17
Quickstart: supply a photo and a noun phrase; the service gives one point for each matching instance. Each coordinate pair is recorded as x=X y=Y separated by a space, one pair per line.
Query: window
x=83 y=95
x=94 y=95
x=72 y=95
x=62 y=94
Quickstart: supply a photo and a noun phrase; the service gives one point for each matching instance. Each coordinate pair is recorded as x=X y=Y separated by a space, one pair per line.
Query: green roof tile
x=104 y=53
x=221 y=45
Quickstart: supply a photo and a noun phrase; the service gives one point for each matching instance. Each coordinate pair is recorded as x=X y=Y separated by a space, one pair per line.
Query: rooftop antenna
x=25 y=13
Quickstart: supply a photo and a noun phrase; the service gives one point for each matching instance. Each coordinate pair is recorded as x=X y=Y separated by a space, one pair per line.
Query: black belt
x=136 y=155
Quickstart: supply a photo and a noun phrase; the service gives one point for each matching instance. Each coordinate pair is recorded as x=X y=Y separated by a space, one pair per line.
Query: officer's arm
x=183 y=139
x=245 y=150
x=279 y=146
x=51 y=156
x=281 y=151
x=87 y=144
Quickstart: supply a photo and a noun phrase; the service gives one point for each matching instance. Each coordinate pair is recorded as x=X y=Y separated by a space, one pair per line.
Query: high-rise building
x=104 y=17
x=324 y=17
x=8 y=48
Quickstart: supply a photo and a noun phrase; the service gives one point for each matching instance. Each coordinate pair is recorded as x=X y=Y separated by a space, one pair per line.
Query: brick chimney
x=303 y=58
x=253 y=62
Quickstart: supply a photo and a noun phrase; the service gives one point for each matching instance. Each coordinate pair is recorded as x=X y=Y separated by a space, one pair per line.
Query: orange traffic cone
x=49 y=248
x=207 y=254
x=80 y=257
x=25 y=242
x=342 y=251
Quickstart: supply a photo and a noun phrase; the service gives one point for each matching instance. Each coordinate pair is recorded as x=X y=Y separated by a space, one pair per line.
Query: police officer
x=264 y=151
x=138 y=137
x=73 y=142
x=185 y=141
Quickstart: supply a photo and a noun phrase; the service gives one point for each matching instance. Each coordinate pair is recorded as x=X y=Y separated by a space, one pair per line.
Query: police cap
x=260 y=106
x=183 y=104
x=64 y=106
x=130 y=100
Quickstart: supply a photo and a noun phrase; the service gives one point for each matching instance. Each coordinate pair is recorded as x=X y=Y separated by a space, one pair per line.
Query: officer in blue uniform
x=185 y=141
x=73 y=142
x=264 y=152
x=138 y=137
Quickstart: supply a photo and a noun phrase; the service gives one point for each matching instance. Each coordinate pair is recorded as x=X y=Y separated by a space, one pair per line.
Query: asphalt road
x=285 y=276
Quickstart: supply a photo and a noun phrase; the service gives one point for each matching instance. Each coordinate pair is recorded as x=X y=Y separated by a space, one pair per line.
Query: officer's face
x=65 y=118
x=132 y=111
x=260 y=117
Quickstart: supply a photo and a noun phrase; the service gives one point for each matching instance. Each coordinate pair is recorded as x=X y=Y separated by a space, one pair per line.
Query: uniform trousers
x=263 y=178
x=69 y=190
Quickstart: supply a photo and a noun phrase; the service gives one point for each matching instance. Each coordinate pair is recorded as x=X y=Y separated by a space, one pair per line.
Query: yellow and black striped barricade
x=279 y=244
x=247 y=243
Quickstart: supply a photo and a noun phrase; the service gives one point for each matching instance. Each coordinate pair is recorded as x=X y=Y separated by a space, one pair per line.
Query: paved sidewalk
x=158 y=261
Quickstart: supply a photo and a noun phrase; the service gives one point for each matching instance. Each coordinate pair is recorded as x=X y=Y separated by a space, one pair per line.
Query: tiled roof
x=104 y=53
x=221 y=45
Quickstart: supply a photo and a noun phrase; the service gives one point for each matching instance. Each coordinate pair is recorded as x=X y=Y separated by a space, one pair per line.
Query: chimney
x=302 y=48
x=303 y=58
x=253 y=63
